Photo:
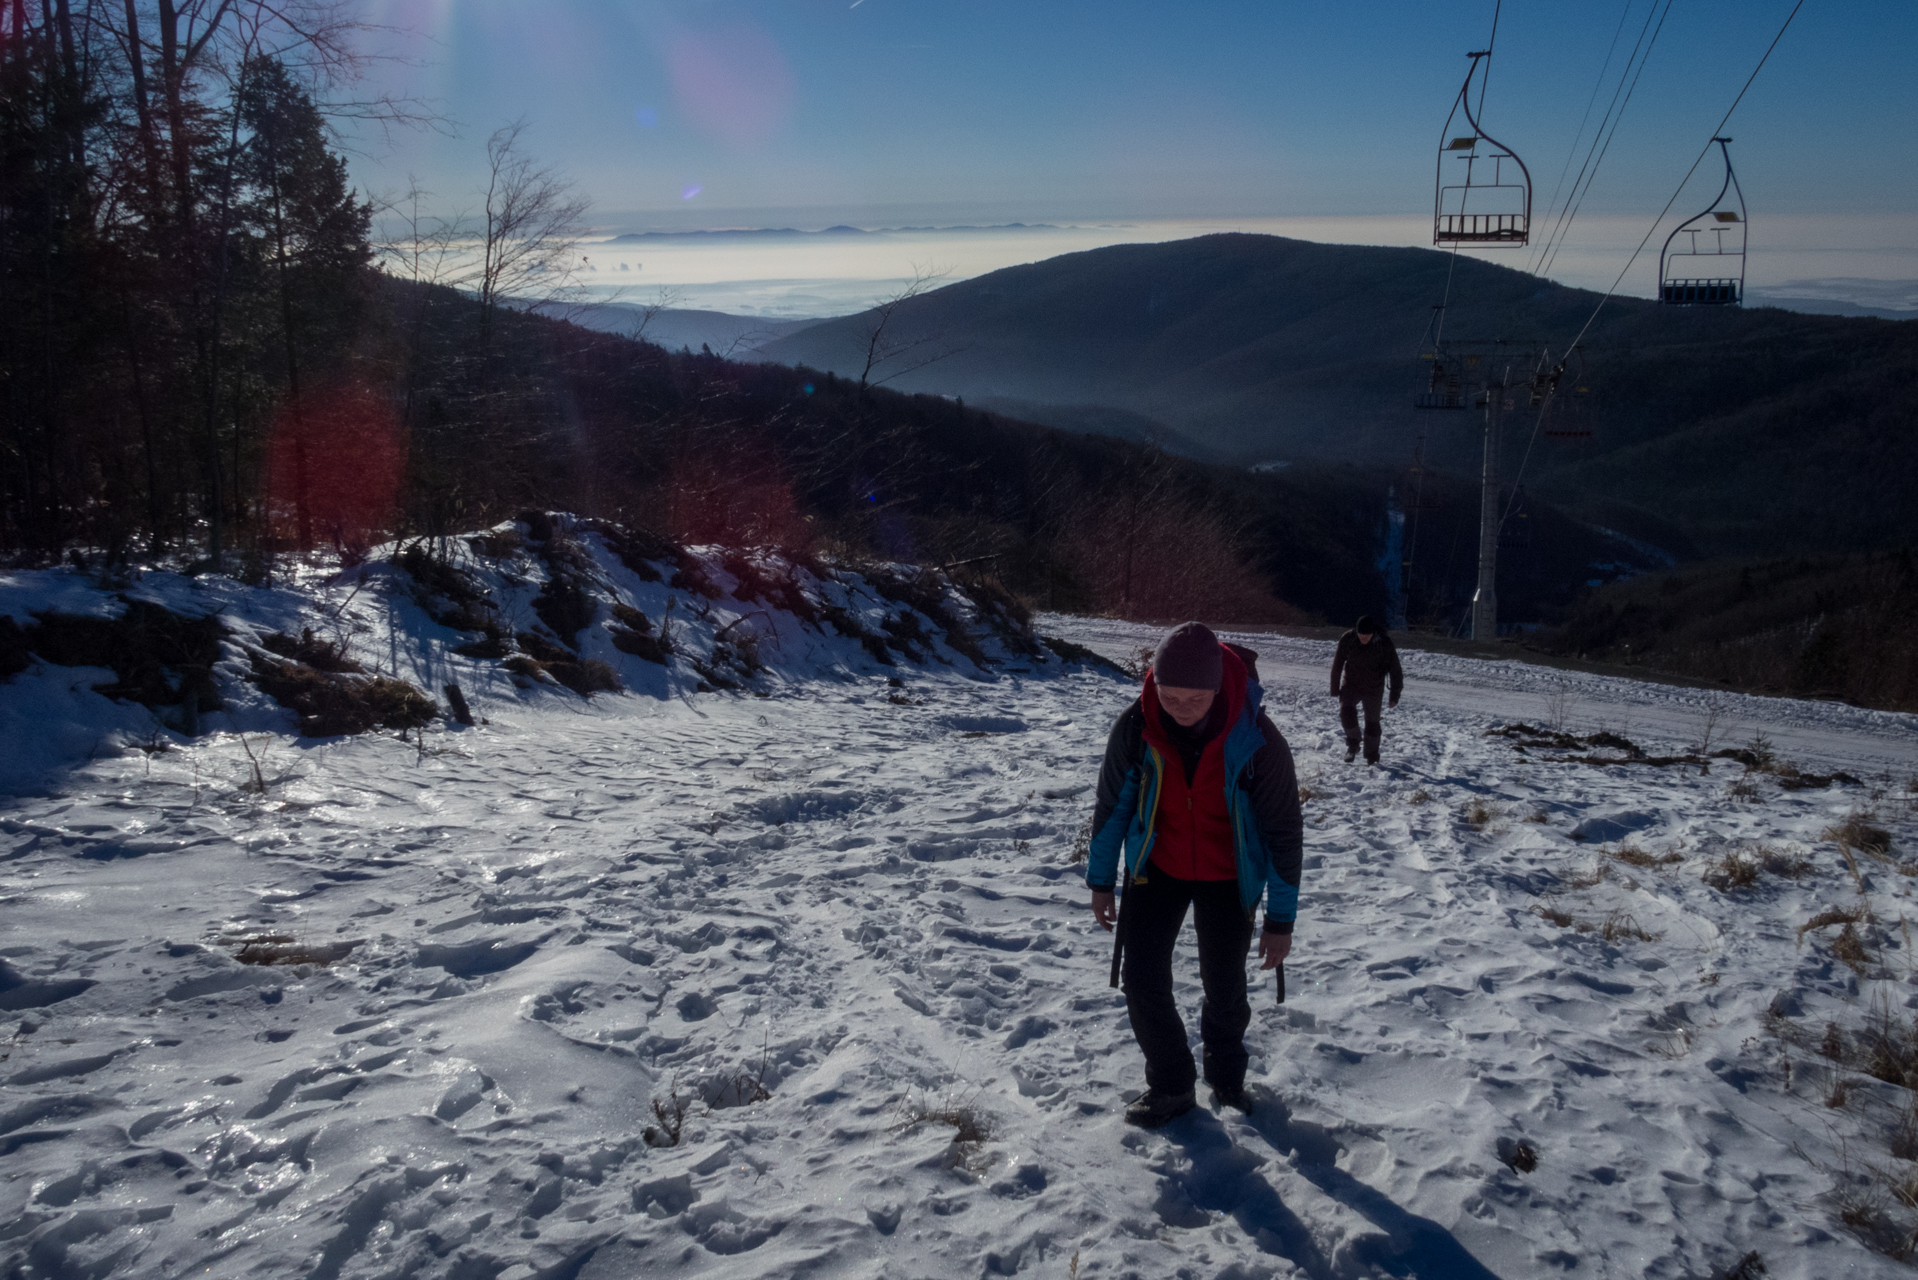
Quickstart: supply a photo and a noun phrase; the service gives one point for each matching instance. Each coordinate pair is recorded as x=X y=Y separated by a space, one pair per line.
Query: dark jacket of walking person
x=1365 y=660
x=1199 y=799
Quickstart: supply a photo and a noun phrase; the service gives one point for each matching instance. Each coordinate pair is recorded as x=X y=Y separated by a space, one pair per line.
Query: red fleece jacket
x=1193 y=827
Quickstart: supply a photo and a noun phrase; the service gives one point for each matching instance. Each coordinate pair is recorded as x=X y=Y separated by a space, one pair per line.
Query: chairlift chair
x=1476 y=207
x=1446 y=387
x=1462 y=372
x=1711 y=273
x=1563 y=394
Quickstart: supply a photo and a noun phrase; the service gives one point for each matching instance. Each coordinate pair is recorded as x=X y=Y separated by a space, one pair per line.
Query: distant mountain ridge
x=769 y=233
x=1719 y=429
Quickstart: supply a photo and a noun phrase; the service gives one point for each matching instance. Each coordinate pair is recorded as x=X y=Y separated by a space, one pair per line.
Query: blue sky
x=1061 y=109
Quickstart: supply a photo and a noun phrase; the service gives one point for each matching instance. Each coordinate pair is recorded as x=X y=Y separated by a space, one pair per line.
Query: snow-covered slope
x=825 y=932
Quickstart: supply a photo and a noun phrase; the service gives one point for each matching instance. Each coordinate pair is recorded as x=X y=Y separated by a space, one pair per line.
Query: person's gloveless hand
x=1273 y=948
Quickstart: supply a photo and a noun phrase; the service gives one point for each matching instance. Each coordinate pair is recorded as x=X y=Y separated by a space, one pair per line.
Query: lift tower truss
x=1496 y=377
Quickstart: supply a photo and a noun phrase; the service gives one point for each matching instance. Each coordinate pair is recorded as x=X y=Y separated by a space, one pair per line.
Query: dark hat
x=1189 y=658
x=1366 y=627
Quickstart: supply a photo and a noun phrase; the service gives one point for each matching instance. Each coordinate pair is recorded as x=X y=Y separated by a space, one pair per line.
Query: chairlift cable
x=1590 y=102
x=1605 y=122
x=1592 y=319
x=1544 y=407
x=1578 y=197
x=1446 y=300
x=1490 y=45
x=1702 y=153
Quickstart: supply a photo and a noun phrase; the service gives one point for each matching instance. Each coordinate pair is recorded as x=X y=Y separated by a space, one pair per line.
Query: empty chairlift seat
x=1707 y=266
x=1483 y=190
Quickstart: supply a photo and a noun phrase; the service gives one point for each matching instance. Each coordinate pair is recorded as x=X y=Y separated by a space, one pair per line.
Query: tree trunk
x=142 y=102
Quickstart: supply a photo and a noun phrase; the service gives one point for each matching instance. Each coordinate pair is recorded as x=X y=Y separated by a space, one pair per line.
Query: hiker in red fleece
x=1199 y=794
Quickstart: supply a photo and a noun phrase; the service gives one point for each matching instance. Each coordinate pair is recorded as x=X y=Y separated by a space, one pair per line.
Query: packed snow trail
x=836 y=922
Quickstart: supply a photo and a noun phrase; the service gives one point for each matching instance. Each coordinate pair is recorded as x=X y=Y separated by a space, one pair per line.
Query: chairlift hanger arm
x=1728 y=184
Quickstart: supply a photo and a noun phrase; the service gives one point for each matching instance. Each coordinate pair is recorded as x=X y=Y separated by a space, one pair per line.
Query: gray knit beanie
x=1189 y=658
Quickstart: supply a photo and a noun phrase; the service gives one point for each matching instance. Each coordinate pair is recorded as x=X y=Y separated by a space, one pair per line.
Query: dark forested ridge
x=1815 y=626
x=1720 y=429
x=705 y=450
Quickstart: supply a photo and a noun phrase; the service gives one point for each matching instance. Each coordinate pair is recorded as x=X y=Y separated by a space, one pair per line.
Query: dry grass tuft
x=1861 y=1207
x=1851 y=949
x=1538 y=816
x=1421 y=796
x=1633 y=856
x=1563 y=919
x=329 y=703
x=1860 y=831
x=1478 y=814
x=1903 y=1142
x=1081 y=842
x=1837 y=915
x=1887 y=1048
x=969 y=1124
x=670 y=1112
x=1733 y=871
x=1620 y=925
x=1873 y=1199
x=1749 y=1267
x=1786 y=866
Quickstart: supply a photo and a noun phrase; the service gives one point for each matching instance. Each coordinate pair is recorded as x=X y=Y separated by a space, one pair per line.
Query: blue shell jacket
x=1262 y=797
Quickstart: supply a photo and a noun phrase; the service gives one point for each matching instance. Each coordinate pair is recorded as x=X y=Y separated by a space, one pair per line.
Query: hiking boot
x=1351 y=752
x=1233 y=1096
x=1150 y=1110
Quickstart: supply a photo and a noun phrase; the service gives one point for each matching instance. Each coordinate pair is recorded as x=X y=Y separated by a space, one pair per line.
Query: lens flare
x=336 y=463
x=691 y=191
x=732 y=83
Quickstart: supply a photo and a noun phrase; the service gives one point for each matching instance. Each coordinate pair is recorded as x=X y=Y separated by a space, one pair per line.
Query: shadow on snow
x=1225 y=1178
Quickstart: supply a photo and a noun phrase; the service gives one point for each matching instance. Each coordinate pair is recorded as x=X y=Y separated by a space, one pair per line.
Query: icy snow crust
x=818 y=915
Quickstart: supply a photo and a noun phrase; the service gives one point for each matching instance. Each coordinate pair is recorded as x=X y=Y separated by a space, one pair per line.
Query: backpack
x=1248 y=657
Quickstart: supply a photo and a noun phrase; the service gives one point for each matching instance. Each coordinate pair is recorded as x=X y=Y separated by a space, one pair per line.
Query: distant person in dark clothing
x=1199 y=795
x=1366 y=658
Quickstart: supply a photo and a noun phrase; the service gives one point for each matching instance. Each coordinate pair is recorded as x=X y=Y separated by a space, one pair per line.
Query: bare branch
x=884 y=345
x=533 y=222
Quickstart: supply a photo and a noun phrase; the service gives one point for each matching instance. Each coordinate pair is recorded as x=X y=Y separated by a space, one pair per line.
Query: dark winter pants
x=1155 y=912
x=1349 y=702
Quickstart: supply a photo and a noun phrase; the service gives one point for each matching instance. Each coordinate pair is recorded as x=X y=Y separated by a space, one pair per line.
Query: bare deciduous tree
x=885 y=344
x=533 y=221
x=665 y=300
